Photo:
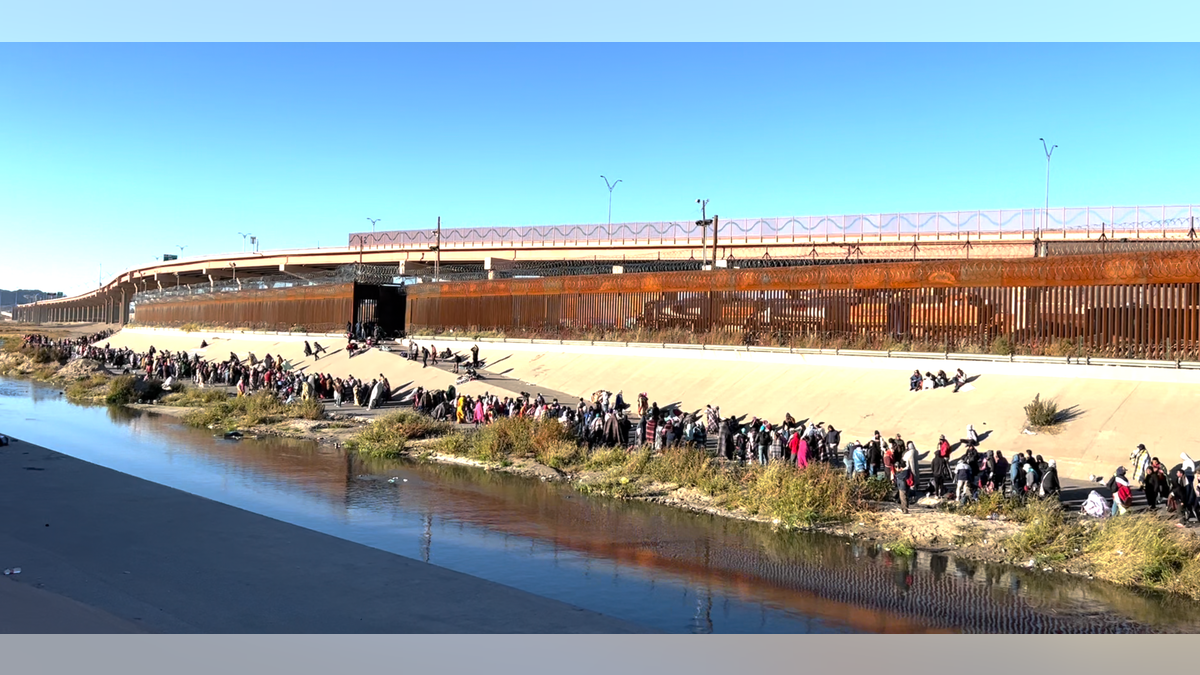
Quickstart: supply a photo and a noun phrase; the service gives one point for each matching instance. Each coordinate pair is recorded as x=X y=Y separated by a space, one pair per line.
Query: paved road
x=142 y=556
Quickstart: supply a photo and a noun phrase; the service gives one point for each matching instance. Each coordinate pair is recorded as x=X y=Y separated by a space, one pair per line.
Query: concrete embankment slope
x=142 y=556
x=1112 y=409
x=401 y=373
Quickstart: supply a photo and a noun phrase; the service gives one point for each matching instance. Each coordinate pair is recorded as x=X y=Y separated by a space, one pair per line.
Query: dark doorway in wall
x=384 y=305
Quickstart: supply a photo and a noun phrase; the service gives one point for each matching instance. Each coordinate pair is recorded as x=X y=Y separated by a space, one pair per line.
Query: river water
x=656 y=566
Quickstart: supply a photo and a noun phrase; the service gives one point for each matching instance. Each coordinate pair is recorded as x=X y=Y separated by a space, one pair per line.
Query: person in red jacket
x=794 y=445
x=943 y=448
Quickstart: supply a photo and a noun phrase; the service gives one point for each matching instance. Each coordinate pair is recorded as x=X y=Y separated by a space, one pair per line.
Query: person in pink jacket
x=802 y=454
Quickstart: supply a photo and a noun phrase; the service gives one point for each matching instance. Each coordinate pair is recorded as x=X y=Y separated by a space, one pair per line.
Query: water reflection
x=661 y=567
x=119 y=414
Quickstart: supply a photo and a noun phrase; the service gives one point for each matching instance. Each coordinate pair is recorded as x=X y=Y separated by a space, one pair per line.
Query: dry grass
x=1050 y=535
x=192 y=397
x=93 y=389
x=263 y=407
x=1146 y=550
x=805 y=497
x=388 y=436
x=994 y=504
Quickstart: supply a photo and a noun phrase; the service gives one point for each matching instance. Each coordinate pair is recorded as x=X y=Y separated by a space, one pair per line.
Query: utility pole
x=716 y=225
x=437 y=248
x=704 y=222
x=1046 y=212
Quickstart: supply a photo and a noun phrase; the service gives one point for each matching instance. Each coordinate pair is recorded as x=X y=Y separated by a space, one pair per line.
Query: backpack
x=1123 y=494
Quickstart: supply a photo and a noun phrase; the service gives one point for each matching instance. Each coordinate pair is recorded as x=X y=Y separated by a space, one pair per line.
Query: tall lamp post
x=180 y=248
x=1046 y=212
x=704 y=222
x=437 y=249
x=244 y=235
x=373 y=221
x=610 y=189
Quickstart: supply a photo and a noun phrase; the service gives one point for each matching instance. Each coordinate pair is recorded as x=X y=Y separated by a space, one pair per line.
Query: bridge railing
x=1075 y=223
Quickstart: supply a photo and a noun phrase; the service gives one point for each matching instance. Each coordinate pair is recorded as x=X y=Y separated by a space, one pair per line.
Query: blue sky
x=113 y=154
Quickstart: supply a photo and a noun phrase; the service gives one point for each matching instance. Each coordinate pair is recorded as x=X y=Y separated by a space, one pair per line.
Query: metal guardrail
x=860 y=353
x=1088 y=222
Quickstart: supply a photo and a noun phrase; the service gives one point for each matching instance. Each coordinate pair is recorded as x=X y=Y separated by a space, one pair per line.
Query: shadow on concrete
x=1068 y=414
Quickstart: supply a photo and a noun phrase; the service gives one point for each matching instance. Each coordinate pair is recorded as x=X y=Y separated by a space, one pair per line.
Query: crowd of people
x=246 y=375
x=1176 y=488
x=608 y=420
x=918 y=382
x=67 y=345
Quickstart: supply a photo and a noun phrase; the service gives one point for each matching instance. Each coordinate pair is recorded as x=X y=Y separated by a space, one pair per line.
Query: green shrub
x=306 y=409
x=804 y=497
x=1049 y=534
x=1042 y=413
x=456 y=444
x=121 y=390
x=88 y=389
x=1003 y=346
x=49 y=355
x=388 y=435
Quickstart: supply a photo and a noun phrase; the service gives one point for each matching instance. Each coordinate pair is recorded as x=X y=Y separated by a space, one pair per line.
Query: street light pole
x=610 y=189
x=373 y=221
x=1046 y=212
x=244 y=235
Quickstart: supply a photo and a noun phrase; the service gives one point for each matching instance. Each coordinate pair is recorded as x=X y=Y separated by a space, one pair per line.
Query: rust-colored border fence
x=324 y=308
x=1130 y=304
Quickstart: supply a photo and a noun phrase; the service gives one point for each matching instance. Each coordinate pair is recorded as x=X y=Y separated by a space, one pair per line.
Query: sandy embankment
x=1111 y=409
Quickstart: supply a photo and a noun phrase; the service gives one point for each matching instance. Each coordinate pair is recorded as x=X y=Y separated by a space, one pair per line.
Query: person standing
x=913 y=463
x=943 y=448
x=1181 y=494
x=904 y=483
x=1050 y=485
x=859 y=461
x=1121 y=493
x=1155 y=483
x=1000 y=473
x=833 y=441
x=793 y=446
x=939 y=475
x=474 y=356
x=875 y=455
x=764 y=444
